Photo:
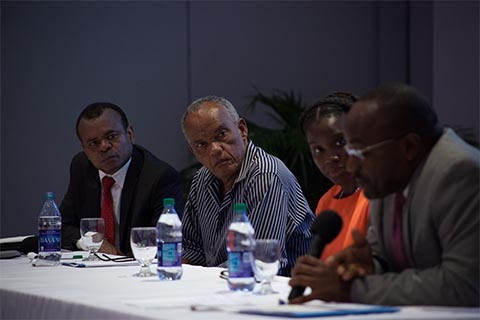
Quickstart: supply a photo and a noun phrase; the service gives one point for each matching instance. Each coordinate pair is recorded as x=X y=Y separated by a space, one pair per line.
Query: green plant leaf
x=287 y=143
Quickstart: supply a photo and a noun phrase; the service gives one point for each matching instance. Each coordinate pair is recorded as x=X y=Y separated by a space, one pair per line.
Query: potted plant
x=286 y=141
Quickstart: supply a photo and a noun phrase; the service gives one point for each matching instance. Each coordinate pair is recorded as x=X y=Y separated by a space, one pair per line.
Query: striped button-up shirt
x=275 y=203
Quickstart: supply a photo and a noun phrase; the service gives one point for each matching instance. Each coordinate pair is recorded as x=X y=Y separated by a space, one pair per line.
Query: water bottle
x=240 y=245
x=49 y=234
x=169 y=243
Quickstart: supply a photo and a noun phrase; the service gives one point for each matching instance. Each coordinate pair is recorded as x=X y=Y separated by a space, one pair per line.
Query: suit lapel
x=409 y=217
x=93 y=190
x=128 y=190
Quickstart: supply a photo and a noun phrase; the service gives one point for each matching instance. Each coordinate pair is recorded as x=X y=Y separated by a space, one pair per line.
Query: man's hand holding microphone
x=329 y=280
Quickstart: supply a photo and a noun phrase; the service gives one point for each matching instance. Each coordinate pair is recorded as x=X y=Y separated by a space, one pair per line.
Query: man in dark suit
x=422 y=246
x=140 y=180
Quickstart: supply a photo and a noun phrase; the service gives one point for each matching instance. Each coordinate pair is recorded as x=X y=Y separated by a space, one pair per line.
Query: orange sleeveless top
x=353 y=210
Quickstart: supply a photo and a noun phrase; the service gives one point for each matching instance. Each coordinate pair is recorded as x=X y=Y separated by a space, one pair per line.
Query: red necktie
x=107 y=209
x=398 y=251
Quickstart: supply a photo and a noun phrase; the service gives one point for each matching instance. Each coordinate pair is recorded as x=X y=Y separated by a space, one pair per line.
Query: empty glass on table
x=266 y=263
x=92 y=231
x=143 y=241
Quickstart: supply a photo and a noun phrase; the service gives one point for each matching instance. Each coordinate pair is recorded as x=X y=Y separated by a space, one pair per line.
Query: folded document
x=317 y=309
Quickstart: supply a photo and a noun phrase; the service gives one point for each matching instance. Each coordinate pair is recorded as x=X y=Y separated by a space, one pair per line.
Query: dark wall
x=456 y=57
x=58 y=57
x=444 y=58
x=152 y=58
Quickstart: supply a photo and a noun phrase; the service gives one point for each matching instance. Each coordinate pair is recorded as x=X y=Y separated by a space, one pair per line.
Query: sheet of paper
x=77 y=255
x=225 y=301
x=75 y=259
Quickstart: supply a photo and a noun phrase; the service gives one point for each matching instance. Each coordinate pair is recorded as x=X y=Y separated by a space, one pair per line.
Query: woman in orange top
x=320 y=125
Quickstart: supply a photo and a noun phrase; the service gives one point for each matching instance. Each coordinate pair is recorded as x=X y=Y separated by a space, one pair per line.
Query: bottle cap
x=168 y=202
x=49 y=195
x=240 y=207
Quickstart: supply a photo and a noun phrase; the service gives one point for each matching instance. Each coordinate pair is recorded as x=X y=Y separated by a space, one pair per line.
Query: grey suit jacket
x=440 y=233
x=147 y=182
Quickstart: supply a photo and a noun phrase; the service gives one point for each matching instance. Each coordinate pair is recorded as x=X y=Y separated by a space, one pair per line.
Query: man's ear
x=131 y=133
x=242 y=126
x=411 y=145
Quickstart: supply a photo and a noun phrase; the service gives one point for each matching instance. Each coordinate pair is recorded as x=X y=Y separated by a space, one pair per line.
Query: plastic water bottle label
x=50 y=240
x=240 y=264
x=169 y=254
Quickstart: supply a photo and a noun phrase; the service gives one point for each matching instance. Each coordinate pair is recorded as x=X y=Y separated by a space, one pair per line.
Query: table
x=112 y=293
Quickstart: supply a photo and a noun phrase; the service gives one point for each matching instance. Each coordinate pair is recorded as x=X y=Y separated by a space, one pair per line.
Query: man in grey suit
x=140 y=180
x=422 y=247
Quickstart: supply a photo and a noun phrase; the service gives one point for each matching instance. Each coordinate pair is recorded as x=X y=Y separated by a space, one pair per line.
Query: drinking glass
x=92 y=231
x=266 y=263
x=143 y=241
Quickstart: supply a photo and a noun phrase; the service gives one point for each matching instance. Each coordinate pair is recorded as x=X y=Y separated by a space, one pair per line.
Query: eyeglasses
x=104 y=257
x=360 y=153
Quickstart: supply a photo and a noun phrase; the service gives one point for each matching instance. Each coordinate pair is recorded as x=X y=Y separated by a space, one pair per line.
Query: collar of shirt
x=246 y=162
x=119 y=176
x=405 y=191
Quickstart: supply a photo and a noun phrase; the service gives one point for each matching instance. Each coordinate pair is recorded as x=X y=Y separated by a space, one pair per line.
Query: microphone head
x=327 y=225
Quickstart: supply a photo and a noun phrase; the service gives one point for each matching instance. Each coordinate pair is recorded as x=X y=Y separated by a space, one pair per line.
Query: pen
x=199 y=307
x=74 y=264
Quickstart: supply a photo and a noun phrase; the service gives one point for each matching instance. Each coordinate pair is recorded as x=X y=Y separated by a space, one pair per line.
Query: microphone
x=324 y=229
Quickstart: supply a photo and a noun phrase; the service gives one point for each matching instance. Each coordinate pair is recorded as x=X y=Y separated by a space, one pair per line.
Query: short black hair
x=405 y=108
x=96 y=109
x=336 y=103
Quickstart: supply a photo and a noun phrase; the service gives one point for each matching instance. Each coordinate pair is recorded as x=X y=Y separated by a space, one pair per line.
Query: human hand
x=108 y=248
x=321 y=278
x=354 y=261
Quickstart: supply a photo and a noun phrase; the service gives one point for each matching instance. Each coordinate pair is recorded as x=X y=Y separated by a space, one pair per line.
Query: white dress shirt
x=117 y=187
x=116 y=190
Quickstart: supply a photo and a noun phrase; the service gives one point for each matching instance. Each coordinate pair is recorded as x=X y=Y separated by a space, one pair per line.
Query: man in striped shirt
x=235 y=170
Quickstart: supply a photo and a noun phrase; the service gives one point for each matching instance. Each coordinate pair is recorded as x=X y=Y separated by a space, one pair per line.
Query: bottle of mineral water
x=169 y=242
x=49 y=234
x=240 y=245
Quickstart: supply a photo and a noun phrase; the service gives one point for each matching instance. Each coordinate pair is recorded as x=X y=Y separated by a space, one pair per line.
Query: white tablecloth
x=112 y=293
